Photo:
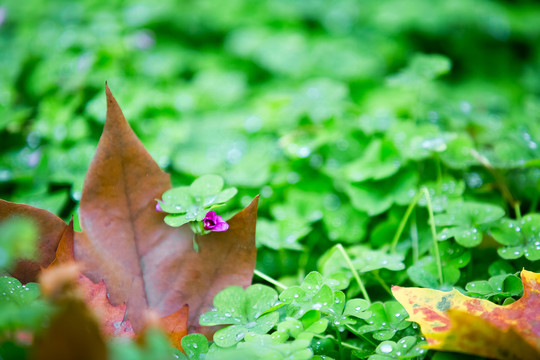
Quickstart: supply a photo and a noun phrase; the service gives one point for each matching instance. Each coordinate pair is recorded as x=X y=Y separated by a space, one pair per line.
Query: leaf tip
x=396 y=289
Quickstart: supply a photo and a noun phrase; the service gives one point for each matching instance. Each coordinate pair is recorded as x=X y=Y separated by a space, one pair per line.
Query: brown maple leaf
x=143 y=262
x=451 y=321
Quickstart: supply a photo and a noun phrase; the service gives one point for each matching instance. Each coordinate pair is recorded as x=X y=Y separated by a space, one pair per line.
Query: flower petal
x=222 y=226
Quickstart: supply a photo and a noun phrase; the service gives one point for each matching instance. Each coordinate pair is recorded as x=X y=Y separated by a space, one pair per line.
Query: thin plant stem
x=404 y=220
x=340 y=345
x=381 y=282
x=269 y=279
x=439 y=171
x=500 y=180
x=517 y=210
x=433 y=234
x=355 y=273
x=534 y=204
x=353 y=330
x=414 y=238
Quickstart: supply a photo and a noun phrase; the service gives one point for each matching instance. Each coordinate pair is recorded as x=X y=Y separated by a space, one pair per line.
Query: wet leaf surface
x=452 y=321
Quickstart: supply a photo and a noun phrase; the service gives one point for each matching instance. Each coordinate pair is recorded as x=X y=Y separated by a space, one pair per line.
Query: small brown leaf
x=73 y=332
x=51 y=228
x=144 y=262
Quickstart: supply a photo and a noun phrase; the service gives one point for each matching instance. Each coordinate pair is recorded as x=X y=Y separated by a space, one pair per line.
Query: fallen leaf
x=451 y=321
x=124 y=241
x=111 y=318
x=73 y=332
x=144 y=263
x=51 y=228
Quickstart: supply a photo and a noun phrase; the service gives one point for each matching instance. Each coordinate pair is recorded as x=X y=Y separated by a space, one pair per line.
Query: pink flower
x=158 y=207
x=214 y=222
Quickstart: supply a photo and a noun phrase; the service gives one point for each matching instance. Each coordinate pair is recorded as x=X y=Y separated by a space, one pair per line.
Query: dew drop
x=386 y=348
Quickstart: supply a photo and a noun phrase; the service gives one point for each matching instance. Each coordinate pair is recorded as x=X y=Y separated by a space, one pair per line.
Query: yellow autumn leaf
x=451 y=321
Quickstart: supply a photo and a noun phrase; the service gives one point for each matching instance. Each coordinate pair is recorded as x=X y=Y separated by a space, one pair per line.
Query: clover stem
x=353 y=330
x=381 y=282
x=195 y=244
x=355 y=273
x=340 y=345
x=305 y=256
x=404 y=220
x=517 y=210
x=434 y=234
x=439 y=170
x=534 y=204
x=500 y=180
x=269 y=279
x=414 y=238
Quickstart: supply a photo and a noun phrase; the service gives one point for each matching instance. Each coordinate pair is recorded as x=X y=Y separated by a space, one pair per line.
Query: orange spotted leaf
x=451 y=321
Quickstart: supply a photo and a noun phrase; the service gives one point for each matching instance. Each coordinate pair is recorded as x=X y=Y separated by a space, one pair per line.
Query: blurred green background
x=334 y=111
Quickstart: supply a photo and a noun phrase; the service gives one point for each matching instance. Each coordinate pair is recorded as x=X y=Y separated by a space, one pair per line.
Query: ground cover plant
x=393 y=146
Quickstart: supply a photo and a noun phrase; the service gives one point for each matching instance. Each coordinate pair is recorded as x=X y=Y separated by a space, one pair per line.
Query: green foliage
x=465 y=220
x=191 y=203
x=156 y=346
x=20 y=306
x=408 y=347
x=337 y=113
x=452 y=259
x=244 y=310
x=520 y=237
x=18 y=236
x=497 y=288
x=386 y=319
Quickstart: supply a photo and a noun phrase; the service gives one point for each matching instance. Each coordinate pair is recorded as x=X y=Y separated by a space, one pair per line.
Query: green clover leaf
x=191 y=203
x=242 y=309
x=312 y=294
x=463 y=221
x=385 y=320
x=364 y=259
x=195 y=346
x=424 y=272
x=406 y=348
x=520 y=237
x=496 y=288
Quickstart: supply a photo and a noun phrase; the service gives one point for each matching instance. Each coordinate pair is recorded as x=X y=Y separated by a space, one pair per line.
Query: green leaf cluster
x=342 y=115
x=191 y=203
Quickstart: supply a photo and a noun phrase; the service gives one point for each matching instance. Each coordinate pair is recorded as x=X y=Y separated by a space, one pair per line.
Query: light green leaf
x=206 y=185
